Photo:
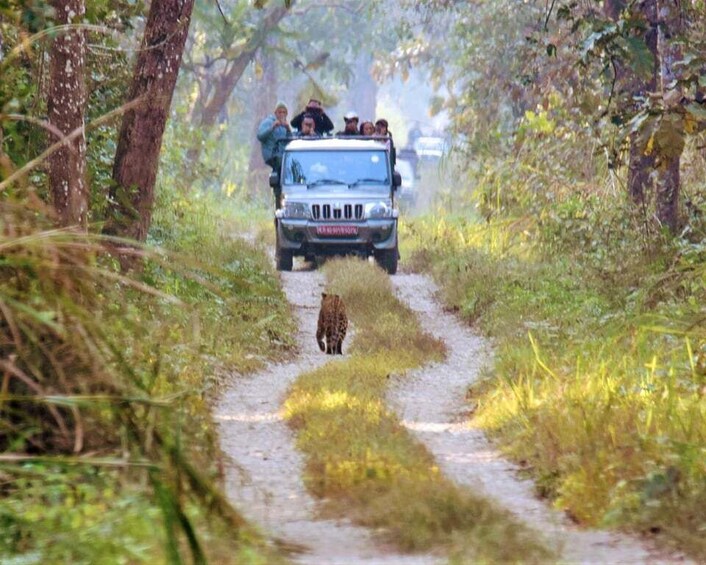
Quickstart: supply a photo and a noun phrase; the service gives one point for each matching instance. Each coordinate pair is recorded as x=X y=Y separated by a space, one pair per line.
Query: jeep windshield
x=316 y=169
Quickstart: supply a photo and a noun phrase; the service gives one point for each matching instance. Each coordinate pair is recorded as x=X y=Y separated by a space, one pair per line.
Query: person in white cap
x=273 y=129
x=351 y=128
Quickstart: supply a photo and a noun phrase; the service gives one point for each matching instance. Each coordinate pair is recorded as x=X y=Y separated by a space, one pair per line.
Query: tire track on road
x=431 y=403
x=264 y=479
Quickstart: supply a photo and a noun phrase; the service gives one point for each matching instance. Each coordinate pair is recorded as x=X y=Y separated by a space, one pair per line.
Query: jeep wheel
x=284 y=258
x=387 y=259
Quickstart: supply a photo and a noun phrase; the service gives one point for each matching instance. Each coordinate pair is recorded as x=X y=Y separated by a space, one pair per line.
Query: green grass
x=362 y=461
x=600 y=370
x=122 y=369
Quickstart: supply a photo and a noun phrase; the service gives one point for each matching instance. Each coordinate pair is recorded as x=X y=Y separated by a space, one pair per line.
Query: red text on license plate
x=340 y=231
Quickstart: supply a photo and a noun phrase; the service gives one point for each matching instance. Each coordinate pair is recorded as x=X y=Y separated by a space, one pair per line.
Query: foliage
x=122 y=367
x=599 y=377
x=361 y=459
x=77 y=515
x=27 y=33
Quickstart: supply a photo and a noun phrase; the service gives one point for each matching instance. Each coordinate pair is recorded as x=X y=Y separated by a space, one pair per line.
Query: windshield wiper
x=325 y=181
x=362 y=181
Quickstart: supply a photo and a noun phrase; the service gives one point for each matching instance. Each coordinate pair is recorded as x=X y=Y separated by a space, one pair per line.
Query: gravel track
x=263 y=478
x=430 y=401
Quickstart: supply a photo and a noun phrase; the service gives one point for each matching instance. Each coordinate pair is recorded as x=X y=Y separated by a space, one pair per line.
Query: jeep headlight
x=298 y=210
x=376 y=210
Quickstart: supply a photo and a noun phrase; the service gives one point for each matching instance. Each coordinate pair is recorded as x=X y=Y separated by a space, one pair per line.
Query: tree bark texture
x=640 y=166
x=264 y=105
x=65 y=106
x=140 y=140
x=668 y=181
x=362 y=96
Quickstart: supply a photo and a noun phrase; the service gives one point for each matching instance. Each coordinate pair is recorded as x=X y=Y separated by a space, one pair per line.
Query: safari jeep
x=337 y=198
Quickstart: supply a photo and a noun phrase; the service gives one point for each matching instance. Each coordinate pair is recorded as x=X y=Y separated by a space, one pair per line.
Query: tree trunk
x=140 y=140
x=362 y=97
x=65 y=107
x=264 y=105
x=229 y=79
x=641 y=166
x=667 y=193
x=668 y=183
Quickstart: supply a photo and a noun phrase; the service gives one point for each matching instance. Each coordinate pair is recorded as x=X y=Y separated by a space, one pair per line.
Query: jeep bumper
x=332 y=238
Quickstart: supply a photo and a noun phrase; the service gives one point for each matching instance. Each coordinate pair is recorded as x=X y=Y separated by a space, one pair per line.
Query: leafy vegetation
x=579 y=142
x=121 y=368
x=360 y=458
x=600 y=374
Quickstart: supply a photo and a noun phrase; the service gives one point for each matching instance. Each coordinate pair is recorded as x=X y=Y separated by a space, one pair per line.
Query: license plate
x=336 y=231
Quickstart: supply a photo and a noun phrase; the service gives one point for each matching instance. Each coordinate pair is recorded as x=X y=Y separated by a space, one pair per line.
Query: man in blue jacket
x=272 y=132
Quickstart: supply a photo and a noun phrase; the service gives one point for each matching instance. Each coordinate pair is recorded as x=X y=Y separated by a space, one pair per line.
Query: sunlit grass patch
x=363 y=461
x=621 y=440
x=108 y=450
x=600 y=371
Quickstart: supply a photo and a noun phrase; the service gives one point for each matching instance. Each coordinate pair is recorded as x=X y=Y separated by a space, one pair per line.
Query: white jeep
x=336 y=197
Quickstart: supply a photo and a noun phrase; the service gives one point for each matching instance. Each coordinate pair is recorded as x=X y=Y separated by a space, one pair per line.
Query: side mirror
x=274 y=179
x=396 y=179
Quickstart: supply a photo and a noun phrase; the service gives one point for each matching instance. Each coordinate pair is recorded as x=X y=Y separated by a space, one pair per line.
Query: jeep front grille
x=337 y=212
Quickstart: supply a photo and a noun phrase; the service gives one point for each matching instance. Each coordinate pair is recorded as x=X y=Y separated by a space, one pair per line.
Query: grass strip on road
x=364 y=462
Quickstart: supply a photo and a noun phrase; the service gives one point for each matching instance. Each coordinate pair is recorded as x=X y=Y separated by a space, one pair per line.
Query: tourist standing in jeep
x=272 y=130
x=351 y=127
x=323 y=123
x=308 y=128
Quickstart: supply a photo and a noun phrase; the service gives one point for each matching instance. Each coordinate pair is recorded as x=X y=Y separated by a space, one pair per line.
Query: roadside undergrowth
x=107 y=449
x=360 y=458
x=600 y=376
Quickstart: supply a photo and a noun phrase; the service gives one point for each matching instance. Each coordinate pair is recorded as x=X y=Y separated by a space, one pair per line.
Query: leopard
x=333 y=324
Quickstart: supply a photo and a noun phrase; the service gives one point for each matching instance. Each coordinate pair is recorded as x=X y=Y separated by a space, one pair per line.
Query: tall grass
x=107 y=446
x=363 y=461
x=600 y=375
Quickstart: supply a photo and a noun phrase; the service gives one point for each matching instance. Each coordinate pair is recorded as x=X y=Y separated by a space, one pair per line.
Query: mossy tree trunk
x=672 y=131
x=641 y=165
x=264 y=104
x=140 y=139
x=65 y=107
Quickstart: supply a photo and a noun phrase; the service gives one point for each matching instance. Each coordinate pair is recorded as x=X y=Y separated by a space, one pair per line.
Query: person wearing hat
x=382 y=131
x=322 y=123
x=351 y=128
x=271 y=133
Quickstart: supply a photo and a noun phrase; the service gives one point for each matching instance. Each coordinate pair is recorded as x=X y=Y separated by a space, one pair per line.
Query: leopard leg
x=329 y=343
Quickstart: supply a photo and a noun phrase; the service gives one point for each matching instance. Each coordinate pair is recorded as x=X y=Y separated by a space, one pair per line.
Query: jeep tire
x=387 y=259
x=284 y=258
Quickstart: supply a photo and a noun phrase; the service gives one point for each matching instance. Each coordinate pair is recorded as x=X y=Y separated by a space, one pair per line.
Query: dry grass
x=364 y=462
x=103 y=391
x=600 y=370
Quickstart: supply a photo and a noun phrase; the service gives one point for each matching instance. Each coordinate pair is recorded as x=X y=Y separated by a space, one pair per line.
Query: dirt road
x=264 y=479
